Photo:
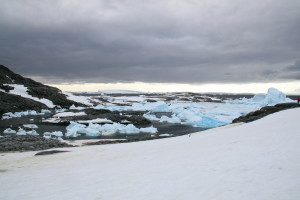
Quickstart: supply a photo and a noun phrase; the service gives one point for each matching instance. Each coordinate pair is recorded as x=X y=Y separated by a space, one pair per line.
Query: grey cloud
x=152 y=41
x=294 y=67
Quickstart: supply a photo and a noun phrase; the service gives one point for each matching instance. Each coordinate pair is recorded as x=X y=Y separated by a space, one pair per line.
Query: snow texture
x=258 y=160
x=80 y=99
x=21 y=90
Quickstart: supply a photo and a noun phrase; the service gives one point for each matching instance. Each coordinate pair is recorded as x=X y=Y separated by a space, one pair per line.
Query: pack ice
x=203 y=114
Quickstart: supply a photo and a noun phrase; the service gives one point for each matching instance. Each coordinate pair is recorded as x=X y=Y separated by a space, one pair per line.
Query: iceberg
x=23 y=132
x=75 y=129
x=275 y=96
x=30 y=126
x=271 y=98
x=206 y=122
x=150 y=129
x=46 y=111
x=10 y=115
x=203 y=114
x=174 y=119
x=9 y=131
x=54 y=134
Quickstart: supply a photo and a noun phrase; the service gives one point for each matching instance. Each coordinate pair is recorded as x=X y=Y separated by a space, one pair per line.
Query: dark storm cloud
x=292 y=71
x=152 y=41
x=294 y=67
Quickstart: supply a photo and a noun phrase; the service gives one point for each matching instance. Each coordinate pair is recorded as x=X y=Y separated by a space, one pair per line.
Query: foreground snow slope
x=259 y=160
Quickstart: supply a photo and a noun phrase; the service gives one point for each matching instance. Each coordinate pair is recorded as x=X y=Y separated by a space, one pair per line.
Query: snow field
x=80 y=99
x=259 y=160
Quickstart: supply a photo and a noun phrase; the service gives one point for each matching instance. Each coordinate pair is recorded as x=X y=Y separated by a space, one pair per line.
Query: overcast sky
x=161 y=41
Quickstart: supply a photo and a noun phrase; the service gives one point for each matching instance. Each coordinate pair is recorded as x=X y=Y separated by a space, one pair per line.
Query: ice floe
x=203 y=114
x=10 y=115
x=95 y=121
x=30 y=126
x=69 y=114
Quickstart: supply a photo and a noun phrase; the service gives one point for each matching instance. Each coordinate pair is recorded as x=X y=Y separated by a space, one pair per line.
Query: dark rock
x=96 y=111
x=15 y=103
x=135 y=117
x=151 y=100
x=28 y=142
x=264 y=112
x=6 y=88
x=42 y=153
x=138 y=120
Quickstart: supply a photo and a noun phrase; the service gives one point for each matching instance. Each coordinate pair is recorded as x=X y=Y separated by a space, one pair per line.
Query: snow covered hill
x=258 y=160
x=12 y=85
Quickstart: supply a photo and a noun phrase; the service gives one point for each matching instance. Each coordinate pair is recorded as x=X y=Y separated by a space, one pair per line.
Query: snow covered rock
x=19 y=93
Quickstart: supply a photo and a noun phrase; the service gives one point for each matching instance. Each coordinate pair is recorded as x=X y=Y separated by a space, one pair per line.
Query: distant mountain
x=120 y=92
x=18 y=93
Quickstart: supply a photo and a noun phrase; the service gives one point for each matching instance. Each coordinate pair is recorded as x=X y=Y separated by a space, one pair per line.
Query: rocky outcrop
x=252 y=116
x=35 y=89
x=15 y=103
x=28 y=143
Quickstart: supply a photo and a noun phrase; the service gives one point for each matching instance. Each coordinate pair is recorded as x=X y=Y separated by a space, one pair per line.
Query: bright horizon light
x=286 y=87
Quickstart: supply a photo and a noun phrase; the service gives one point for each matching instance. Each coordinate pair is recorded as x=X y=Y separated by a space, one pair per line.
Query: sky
x=154 y=45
